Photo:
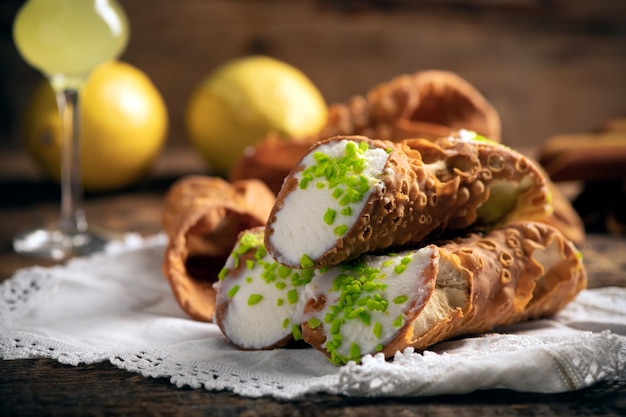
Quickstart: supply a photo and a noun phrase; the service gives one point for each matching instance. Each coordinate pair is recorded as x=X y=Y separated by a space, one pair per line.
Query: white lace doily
x=116 y=306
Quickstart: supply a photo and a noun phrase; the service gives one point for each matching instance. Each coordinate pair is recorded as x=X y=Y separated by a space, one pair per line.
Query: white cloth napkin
x=116 y=306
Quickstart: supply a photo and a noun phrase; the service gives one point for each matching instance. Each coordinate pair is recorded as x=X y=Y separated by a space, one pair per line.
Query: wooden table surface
x=46 y=387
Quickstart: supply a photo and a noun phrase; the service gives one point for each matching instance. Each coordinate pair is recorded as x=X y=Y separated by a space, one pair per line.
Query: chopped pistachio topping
x=306 y=262
x=247 y=242
x=341 y=230
x=254 y=299
x=400 y=299
x=284 y=271
x=329 y=216
x=398 y=269
x=222 y=274
x=355 y=351
x=292 y=296
x=296 y=332
x=378 y=329
x=233 y=291
x=314 y=323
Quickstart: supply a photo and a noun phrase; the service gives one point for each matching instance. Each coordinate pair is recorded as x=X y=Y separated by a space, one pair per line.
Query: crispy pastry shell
x=202 y=217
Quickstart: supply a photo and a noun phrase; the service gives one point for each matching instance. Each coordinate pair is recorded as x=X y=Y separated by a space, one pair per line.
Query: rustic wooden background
x=548 y=66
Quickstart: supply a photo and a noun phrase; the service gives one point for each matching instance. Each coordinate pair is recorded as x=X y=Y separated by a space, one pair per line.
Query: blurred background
x=548 y=66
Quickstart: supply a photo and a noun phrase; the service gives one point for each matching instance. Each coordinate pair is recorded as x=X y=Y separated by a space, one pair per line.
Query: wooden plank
x=45 y=387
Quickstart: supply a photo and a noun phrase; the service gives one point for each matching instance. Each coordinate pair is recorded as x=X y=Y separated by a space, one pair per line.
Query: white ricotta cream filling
x=303 y=225
x=264 y=302
x=398 y=283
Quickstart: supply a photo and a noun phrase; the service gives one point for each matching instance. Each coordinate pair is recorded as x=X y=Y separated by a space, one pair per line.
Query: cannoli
x=259 y=303
x=202 y=217
x=352 y=195
x=385 y=303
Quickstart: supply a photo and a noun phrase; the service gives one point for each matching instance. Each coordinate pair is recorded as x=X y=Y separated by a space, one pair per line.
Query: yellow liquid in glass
x=66 y=39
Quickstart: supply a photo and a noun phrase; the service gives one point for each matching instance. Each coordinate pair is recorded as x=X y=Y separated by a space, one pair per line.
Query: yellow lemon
x=244 y=100
x=123 y=126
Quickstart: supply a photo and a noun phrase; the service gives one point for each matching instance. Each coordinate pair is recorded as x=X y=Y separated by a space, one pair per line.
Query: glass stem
x=72 y=219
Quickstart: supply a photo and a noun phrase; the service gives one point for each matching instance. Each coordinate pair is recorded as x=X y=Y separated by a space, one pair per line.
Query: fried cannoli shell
x=202 y=217
x=440 y=103
x=524 y=271
x=426 y=104
x=426 y=188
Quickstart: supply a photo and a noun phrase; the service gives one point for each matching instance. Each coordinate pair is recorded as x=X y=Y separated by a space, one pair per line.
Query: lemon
x=244 y=100
x=123 y=126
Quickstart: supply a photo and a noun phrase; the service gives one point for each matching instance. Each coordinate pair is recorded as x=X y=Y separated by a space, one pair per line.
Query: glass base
x=52 y=243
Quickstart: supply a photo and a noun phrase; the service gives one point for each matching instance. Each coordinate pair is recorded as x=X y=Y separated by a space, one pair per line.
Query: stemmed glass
x=65 y=40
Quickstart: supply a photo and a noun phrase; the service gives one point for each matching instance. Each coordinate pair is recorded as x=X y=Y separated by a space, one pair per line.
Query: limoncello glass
x=66 y=40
